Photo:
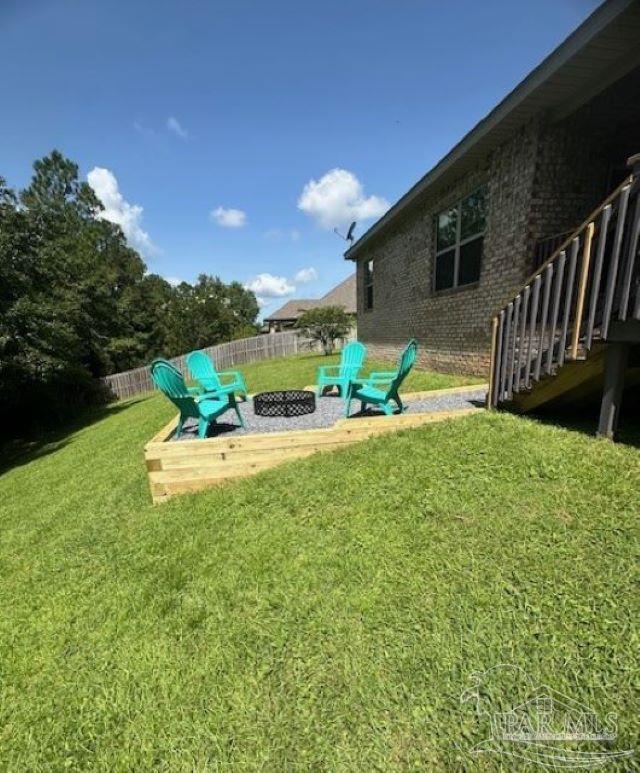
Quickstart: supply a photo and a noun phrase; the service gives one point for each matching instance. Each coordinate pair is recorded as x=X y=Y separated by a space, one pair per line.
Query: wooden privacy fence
x=137 y=381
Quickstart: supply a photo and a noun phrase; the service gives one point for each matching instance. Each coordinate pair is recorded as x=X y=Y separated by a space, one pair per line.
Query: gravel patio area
x=328 y=410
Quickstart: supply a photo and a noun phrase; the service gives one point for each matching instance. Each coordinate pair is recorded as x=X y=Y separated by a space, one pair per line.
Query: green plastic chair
x=204 y=408
x=351 y=360
x=367 y=392
x=204 y=372
x=195 y=390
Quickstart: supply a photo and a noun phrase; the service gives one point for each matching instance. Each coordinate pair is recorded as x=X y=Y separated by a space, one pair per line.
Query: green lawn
x=299 y=372
x=324 y=615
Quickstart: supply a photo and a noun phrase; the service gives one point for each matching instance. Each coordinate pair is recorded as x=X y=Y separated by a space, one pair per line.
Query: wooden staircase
x=570 y=330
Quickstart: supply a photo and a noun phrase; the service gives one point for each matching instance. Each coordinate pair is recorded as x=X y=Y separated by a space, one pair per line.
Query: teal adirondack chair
x=206 y=409
x=341 y=375
x=192 y=390
x=204 y=372
x=367 y=391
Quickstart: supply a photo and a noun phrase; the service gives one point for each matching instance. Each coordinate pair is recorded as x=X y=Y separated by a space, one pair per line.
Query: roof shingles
x=343 y=295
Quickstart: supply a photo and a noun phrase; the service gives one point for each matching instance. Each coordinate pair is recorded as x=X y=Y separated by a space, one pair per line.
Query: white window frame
x=368 y=274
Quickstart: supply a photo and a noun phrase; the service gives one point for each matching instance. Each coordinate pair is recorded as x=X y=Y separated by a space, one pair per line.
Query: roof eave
x=599 y=19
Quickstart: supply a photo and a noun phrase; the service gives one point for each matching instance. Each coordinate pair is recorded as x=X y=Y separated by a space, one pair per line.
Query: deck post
x=615 y=363
x=582 y=290
x=492 y=362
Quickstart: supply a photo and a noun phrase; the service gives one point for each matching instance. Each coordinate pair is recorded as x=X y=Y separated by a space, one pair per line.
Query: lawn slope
x=327 y=614
x=299 y=372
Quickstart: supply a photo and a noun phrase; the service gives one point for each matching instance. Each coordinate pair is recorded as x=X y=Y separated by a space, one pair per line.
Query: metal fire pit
x=292 y=402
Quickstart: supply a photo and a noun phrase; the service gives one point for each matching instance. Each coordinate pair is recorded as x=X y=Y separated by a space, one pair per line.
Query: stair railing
x=571 y=300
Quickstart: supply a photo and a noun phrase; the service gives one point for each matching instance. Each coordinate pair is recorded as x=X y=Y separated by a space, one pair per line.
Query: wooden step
x=573 y=375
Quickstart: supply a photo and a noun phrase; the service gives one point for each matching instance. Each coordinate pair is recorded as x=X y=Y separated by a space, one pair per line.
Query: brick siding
x=544 y=180
x=452 y=326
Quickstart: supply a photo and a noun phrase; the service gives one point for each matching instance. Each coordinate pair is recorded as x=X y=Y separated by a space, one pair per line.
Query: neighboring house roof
x=291 y=310
x=599 y=52
x=343 y=295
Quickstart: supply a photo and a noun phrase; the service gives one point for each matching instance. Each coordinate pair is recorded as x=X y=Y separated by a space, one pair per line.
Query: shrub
x=325 y=324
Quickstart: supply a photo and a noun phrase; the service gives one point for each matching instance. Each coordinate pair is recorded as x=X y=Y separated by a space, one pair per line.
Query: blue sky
x=211 y=129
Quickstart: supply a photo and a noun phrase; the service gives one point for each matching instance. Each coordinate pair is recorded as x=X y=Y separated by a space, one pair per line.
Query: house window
x=459 y=237
x=368 y=285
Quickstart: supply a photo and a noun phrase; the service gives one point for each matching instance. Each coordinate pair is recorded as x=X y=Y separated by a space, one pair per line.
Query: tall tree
x=208 y=313
x=76 y=302
x=64 y=273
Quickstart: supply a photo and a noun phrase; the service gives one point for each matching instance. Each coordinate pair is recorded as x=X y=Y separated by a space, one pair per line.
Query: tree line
x=77 y=303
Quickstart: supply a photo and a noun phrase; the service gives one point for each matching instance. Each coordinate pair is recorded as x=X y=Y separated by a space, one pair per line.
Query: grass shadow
x=585 y=421
x=21 y=451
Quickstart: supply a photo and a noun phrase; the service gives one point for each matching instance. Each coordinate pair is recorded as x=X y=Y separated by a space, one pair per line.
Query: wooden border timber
x=460 y=390
x=165 y=433
x=427 y=394
x=192 y=465
x=175 y=468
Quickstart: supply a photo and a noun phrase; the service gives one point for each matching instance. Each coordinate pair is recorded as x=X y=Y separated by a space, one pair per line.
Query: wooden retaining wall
x=192 y=465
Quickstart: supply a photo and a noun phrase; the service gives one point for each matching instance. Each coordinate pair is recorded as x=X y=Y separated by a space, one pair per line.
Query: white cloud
x=145 y=131
x=118 y=210
x=174 y=281
x=174 y=126
x=269 y=286
x=274 y=234
x=279 y=234
x=306 y=275
x=229 y=218
x=337 y=198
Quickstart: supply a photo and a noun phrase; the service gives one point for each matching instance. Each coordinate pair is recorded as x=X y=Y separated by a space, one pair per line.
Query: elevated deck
x=573 y=330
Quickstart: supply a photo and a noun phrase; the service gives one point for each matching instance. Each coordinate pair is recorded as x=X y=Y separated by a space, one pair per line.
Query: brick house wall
x=576 y=157
x=452 y=326
x=543 y=181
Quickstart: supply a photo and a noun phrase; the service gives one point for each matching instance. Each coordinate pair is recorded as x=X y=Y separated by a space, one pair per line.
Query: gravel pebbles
x=328 y=410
